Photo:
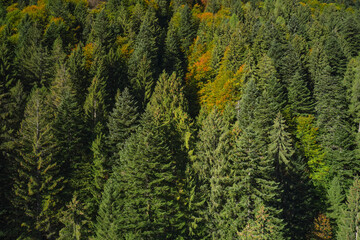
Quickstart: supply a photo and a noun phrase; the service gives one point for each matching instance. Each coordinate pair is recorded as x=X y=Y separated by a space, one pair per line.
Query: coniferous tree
x=78 y=73
x=74 y=218
x=349 y=221
x=109 y=209
x=247 y=104
x=253 y=182
x=123 y=121
x=335 y=201
x=299 y=96
x=211 y=166
x=147 y=176
x=37 y=184
x=94 y=107
x=143 y=63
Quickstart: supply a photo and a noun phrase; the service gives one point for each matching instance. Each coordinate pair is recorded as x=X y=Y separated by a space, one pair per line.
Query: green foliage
x=243 y=69
x=349 y=221
x=144 y=61
x=37 y=183
x=123 y=121
x=73 y=219
x=211 y=165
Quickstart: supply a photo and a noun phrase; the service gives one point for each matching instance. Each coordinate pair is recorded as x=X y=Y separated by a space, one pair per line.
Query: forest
x=180 y=119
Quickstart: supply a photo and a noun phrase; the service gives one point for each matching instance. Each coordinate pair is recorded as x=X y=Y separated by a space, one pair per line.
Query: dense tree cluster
x=181 y=119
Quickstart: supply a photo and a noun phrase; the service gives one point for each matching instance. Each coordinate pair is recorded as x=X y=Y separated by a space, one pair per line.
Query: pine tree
x=106 y=225
x=253 y=182
x=74 y=218
x=335 y=200
x=94 y=107
x=212 y=170
x=147 y=175
x=144 y=61
x=349 y=221
x=300 y=101
x=123 y=121
x=38 y=184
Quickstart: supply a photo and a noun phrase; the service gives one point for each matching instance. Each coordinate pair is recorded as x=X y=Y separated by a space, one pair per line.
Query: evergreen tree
x=123 y=121
x=150 y=208
x=38 y=184
x=247 y=104
x=79 y=75
x=280 y=146
x=349 y=222
x=73 y=219
x=187 y=28
x=94 y=107
x=107 y=227
x=253 y=182
x=261 y=227
x=335 y=201
x=174 y=58
x=211 y=166
x=299 y=96
x=144 y=61
x=68 y=131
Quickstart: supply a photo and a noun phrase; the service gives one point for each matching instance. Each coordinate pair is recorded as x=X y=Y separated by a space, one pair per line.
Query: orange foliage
x=152 y=3
x=36 y=12
x=12 y=7
x=322 y=228
x=200 y=68
x=124 y=46
x=223 y=89
x=89 y=50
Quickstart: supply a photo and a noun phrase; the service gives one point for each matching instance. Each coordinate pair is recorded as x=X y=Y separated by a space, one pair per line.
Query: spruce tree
x=349 y=221
x=76 y=65
x=144 y=61
x=107 y=227
x=74 y=218
x=335 y=198
x=68 y=130
x=123 y=121
x=174 y=58
x=253 y=182
x=37 y=184
x=147 y=175
x=299 y=96
x=95 y=108
x=211 y=166
x=247 y=105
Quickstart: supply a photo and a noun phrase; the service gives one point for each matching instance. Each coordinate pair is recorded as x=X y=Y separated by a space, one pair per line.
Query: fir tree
x=144 y=61
x=74 y=219
x=94 y=107
x=335 y=200
x=107 y=226
x=253 y=182
x=349 y=221
x=247 y=104
x=147 y=176
x=300 y=101
x=212 y=168
x=38 y=183
x=123 y=121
